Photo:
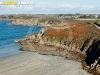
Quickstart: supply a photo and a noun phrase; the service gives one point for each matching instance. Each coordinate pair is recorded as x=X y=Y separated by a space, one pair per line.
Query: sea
x=9 y=33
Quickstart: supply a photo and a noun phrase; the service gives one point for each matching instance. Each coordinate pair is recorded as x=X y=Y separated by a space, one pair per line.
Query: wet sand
x=29 y=63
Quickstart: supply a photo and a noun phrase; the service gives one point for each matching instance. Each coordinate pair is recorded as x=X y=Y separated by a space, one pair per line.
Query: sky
x=53 y=7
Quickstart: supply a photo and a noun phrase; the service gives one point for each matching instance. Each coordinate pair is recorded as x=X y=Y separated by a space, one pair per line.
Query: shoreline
x=9 y=47
x=45 y=47
x=59 y=54
x=39 y=65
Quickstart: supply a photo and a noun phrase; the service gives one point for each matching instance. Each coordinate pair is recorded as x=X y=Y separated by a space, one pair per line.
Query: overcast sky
x=54 y=7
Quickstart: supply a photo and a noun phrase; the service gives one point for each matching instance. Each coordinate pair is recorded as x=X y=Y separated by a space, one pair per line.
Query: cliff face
x=93 y=57
x=36 y=21
x=83 y=46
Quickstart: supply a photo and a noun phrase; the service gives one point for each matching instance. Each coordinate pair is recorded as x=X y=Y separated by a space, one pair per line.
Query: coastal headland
x=73 y=39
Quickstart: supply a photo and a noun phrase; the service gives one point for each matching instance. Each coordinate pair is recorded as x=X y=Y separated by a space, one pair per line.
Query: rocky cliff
x=36 y=21
x=80 y=41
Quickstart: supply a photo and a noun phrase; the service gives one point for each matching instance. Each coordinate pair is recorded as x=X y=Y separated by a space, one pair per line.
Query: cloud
x=66 y=6
x=50 y=8
x=85 y=7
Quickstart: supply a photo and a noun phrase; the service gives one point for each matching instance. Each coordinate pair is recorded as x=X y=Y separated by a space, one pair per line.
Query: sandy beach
x=29 y=63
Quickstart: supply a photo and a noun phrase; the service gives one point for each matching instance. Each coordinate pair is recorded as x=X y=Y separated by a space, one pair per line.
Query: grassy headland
x=74 y=39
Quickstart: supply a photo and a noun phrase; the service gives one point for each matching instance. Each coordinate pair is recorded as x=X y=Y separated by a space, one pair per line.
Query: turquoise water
x=9 y=33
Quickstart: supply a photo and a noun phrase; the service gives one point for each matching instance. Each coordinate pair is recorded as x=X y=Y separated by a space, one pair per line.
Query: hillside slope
x=77 y=40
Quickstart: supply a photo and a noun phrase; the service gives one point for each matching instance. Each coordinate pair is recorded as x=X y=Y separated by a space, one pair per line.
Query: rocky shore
x=87 y=58
x=33 y=20
x=83 y=48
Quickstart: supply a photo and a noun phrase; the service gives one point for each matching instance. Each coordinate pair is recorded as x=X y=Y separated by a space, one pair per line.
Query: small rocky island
x=74 y=39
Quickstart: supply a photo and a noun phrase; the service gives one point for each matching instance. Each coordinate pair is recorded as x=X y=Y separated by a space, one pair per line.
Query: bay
x=9 y=33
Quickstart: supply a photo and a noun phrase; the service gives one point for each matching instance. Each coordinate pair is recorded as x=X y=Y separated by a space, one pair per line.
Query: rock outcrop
x=36 y=21
x=83 y=48
x=37 y=43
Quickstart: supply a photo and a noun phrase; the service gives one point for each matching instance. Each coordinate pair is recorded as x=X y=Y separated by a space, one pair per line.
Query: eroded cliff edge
x=77 y=40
